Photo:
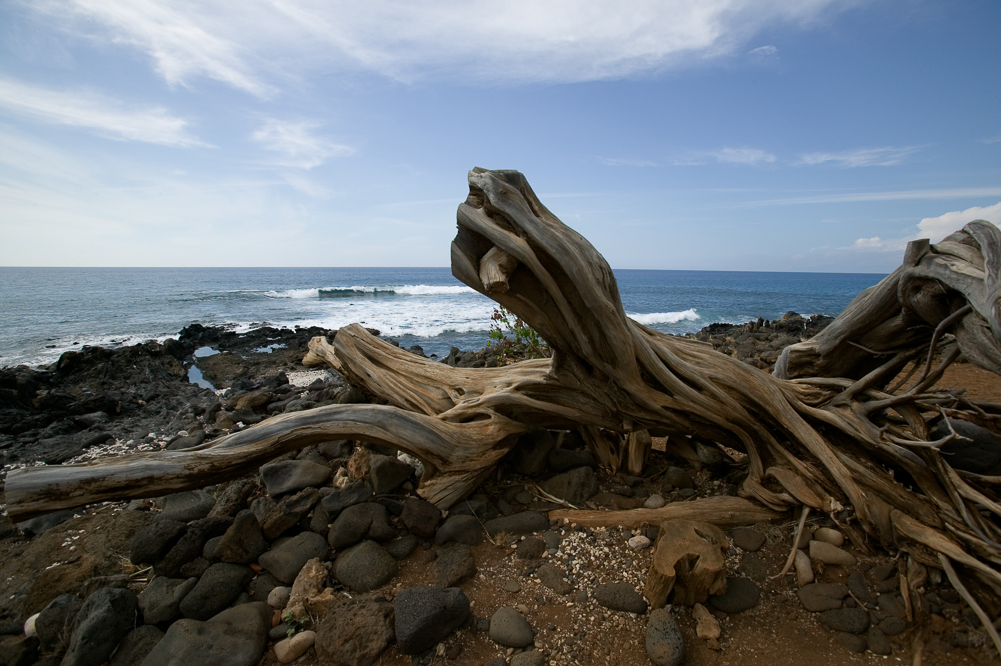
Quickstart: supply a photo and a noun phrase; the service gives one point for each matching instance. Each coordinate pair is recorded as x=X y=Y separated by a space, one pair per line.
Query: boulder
x=187 y=506
x=365 y=567
x=353 y=493
x=426 y=615
x=243 y=541
x=421 y=517
x=161 y=601
x=564 y=460
x=355 y=632
x=454 y=565
x=288 y=512
x=286 y=560
x=289 y=476
x=102 y=622
x=979 y=451
x=136 y=646
x=191 y=544
x=218 y=587
x=235 y=637
x=576 y=486
x=386 y=473
x=154 y=541
x=360 y=521
x=531 y=454
x=55 y=622
x=460 y=529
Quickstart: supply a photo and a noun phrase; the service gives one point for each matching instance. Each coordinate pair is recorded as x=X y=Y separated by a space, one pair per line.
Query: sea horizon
x=50 y=310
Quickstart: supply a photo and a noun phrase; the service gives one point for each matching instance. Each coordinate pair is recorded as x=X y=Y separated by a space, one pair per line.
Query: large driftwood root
x=834 y=436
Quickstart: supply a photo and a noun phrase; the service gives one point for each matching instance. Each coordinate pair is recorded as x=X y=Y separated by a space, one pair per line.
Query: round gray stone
x=509 y=628
x=664 y=643
x=365 y=567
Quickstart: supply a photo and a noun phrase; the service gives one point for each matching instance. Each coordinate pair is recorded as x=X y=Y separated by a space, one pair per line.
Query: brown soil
x=778 y=632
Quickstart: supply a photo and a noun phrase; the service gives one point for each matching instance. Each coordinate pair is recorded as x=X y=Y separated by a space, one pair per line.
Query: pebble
x=828 y=535
x=654 y=502
x=529 y=658
x=804 y=572
x=290 y=649
x=747 y=538
x=278 y=597
x=512 y=586
x=877 y=642
x=508 y=627
x=664 y=643
x=828 y=554
x=854 y=643
x=551 y=576
x=620 y=597
x=817 y=597
x=741 y=594
x=706 y=626
x=848 y=620
x=639 y=542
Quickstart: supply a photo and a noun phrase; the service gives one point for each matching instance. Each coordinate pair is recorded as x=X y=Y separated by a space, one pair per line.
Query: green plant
x=295 y=624
x=524 y=341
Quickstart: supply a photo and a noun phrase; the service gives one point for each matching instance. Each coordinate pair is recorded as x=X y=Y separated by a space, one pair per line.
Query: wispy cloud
x=184 y=39
x=897 y=195
x=625 y=161
x=764 y=51
x=241 y=44
x=862 y=157
x=296 y=145
x=106 y=117
x=993 y=139
x=746 y=156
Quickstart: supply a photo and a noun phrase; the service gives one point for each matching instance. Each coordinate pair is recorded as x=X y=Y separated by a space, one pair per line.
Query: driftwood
x=689 y=561
x=828 y=431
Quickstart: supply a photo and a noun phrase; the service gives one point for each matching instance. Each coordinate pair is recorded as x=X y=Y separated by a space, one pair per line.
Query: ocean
x=47 y=311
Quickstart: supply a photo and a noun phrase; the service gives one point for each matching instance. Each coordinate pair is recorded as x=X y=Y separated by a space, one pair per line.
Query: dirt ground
x=777 y=632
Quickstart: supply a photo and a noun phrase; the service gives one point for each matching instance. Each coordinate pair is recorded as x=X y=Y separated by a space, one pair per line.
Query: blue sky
x=815 y=135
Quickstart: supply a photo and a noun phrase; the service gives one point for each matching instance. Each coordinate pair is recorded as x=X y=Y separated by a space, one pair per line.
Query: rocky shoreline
x=327 y=556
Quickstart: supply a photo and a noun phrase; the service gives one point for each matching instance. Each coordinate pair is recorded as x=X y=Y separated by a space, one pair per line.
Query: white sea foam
x=665 y=317
x=357 y=290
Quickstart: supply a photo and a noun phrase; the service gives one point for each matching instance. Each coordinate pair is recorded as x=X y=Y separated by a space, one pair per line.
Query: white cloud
x=935 y=228
x=939 y=227
x=296 y=145
x=241 y=44
x=862 y=157
x=625 y=161
x=95 y=112
x=747 y=156
x=764 y=50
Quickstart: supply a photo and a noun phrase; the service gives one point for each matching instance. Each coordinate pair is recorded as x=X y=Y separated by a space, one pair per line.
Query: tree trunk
x=825 y=432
